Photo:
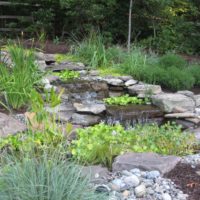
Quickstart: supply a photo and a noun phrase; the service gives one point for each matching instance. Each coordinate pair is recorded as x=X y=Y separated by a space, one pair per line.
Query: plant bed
x=188 y=179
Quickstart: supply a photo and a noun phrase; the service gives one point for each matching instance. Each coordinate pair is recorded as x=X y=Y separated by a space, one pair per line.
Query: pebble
x=153 y=174
x=140 y=190
x=166 y=196
x=132 y=181
x=146 y=185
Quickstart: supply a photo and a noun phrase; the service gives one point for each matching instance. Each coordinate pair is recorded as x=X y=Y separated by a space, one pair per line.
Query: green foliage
x=172 y=60
x=68 y=74
x=195 y=71
x=63 y=57
x=17 y=81
x=178 y=79
x=125 y=100
x=92 y=50
x=26 y=142
x=101 y=143
x=47 y=177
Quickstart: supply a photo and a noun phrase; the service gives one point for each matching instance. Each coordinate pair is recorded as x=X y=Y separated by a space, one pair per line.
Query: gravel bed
x=141 y=185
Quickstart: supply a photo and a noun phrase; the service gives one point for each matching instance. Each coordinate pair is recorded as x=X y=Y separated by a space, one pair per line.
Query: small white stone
x=166 y=196
x=140 y=190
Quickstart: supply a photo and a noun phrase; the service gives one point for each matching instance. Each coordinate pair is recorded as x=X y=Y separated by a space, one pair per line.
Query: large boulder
x=144 y=89
x=94 y=108
x=169 y=101
x=145 y=161
x=10 y=126
x=197 y=100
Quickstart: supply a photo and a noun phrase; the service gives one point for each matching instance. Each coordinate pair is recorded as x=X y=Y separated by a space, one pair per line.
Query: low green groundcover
x=101 y=143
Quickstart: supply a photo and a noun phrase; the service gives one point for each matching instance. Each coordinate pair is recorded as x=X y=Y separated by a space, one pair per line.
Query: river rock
x=144 y=89
x=140 y=190
x=85 y=120
x=93 y=108
x=166 y=196
x=145 y=161
x=168 y=101
x=10 y=126
x=132 y=181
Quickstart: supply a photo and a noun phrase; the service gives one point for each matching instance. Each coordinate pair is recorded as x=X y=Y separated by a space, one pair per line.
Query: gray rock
x=114 y=81
x=145 y=161
x=132 y=181
x=166 y=196
x=194 y=120
x=153 y=174
x=144 y=89
x=181 y=115
x=45 y=57
x=130 y=82
x=93 y=108
x=168 y=101
x=66 y=65
x=10 y=126
x=125 y=78
x=96 y=173
x=102 y=189
x=197 y=133
x=85 y=120
x=197 y=100
x=186 y=93
x=116 y=93
x=117 y=185
x=140 y=190
x=41 y=64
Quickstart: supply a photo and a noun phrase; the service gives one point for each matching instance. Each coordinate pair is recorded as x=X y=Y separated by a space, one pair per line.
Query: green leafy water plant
x=101 y=143
x=125 y=100
x=68 y=75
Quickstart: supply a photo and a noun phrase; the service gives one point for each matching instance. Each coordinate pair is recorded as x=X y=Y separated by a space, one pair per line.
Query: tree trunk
x=130 y=25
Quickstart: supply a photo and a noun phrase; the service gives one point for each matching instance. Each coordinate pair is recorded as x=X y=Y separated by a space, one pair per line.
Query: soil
x=187 y=179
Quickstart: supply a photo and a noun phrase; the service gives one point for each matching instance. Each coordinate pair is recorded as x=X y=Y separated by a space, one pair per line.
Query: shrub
x=17 y=81
x=177 y=79
x=44 y=177
x=172 y=60
x=195 y=71
x=101 y=143
x=124 y=100
x=92 y=50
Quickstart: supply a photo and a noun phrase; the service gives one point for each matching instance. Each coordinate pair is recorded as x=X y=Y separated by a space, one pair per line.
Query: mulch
x=187 y=179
